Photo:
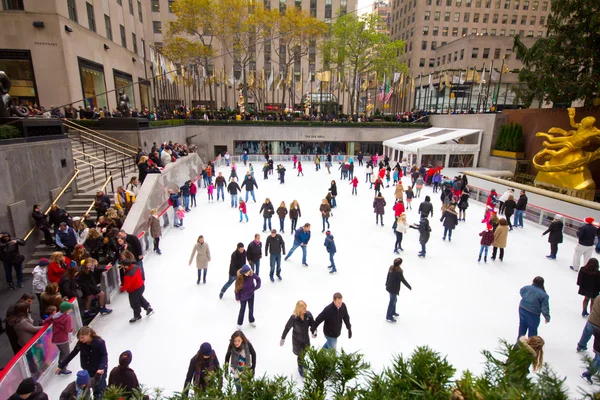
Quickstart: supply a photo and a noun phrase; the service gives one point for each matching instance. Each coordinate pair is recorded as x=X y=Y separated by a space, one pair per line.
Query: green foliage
x=510 y=138
x=9 y=132
x=392 y=125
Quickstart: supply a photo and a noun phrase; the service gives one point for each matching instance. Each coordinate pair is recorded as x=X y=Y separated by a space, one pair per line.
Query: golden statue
x=563 y=162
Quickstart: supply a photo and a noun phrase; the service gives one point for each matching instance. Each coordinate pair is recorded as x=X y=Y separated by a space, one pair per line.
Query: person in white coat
x=503 y=198
x=401 y=229
x=40 y=281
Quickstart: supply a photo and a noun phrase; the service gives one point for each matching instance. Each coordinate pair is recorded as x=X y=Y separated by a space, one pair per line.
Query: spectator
x=30 y=390
x=134 y=185
x=57 y=215
x=13 y=339
x=11 y=258
x=40 y=281
x=22 y=323
x=101 y=203
x=58 y=265
x=124 y=199
x=144 y=169
x=42 y=224
x=520 y=210
x=66 y=238
x=586 y=235
x=122 y=376
x=81 y=388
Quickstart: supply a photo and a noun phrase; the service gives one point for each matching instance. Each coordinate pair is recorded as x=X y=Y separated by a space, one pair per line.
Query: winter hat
x=206 y=349
x=27 y=386
x=83 y=378
x=65 y=306
x=489 y=227
x=240 y=245
x=328 y=233
x=44 y=262
x=245 y=269
x=589 y=220
x=125 y=358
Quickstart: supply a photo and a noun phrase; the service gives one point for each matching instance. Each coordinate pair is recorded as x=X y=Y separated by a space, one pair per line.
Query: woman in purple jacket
x=245 y=287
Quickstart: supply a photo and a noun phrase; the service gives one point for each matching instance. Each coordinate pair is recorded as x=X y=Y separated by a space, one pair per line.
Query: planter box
x=507 y=154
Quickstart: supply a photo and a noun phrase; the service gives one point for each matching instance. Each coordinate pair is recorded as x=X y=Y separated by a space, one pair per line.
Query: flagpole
x=499 y=85
x=471 y=89
x=487 y=93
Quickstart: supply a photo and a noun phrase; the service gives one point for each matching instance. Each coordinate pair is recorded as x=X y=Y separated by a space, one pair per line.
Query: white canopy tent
x=437 y=142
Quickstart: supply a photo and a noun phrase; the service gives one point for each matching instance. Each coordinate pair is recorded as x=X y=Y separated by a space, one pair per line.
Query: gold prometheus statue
x=563 y=162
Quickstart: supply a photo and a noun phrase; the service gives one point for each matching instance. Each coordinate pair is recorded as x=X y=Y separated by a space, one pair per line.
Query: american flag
x=388 y=96
x=381 y=93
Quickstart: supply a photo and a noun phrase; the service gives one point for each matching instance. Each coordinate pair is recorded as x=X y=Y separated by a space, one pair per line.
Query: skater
x=174 y=201
x=155 y=229
x=426 y=208
x=240 y=356
x=94 y=358
x=588 y=281
x=276 y=245
x=233 y=188
x=295 y=160
x=202 y=252
x=330 y=247
x=395 y=176
x=317 y=163
x=354 y=183
x=409 y=197
x=424 y=234
x=134 y=285
x=556 y=235
x=281 y=213
x=180 y=216
x=534 y=302
x=487 y=238
x=201 y=365
x=503 y=199
x=369 y=172
x=250 y=184
x=210 y=190
x=351 y=170
x=463 y=204
x=520 y=210
x=254 y=254
x=399 y=191
x=325 y=209
x=400 y=229
x=437 y=177
x=509 y=209
x=295 y=213
x=238 y=260
x=185 y=193
x=220 y=185
x=500 y=237
x=592 y=325
x=395 y=277
x=398 y=211
x=334 y=192
x=300 y=169
x=585 y=246
x=281 y=171
x=379 y=207
x=265 y=171
x=333 y=315
x=301 y=239
x=243 y=210
x=419 y=185
x=595 y=364
x=267 y=209
x=300 y=323
x=81 y=388
x=450 y=220
x=492 y=199
x=124 y=377
x=246 y=284
x=62 y=326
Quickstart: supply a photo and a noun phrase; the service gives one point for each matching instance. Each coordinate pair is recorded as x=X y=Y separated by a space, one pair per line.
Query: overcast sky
x=364 y=6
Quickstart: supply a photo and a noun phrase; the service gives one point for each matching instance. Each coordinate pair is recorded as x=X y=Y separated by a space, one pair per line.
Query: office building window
x=298 y=4
x=497 y=4
x=155 y=5
x=140 y=15
x=410 y=46
x=466 y=17
x=529 y=33
x=486 y=53
x=545 y=6
x=540 y=33
x=434 y=45
x=120 y=2
x=435 y=31
x=13 y=5
x=425 y=30
x=507 y=4
x=134 y=40
x=72 y=7
x=502 y=32
x=465 y=31
x=542 y=20
x=426 y=16
x=108 y=26
x=475 y=52
x=476 y=17
x=427 y=2
x=486 y=18
x=513 y=20
x=493 y=32
x=171 y=5
x=462 y=54
x=157 y=26
x=456 y=17
x=488 y=3
x=484 y=31
x=92 y=83
x=511 y=32
x=90 y=15
x=467 y=3
x=447 y=17
x=455 y=31
x=123 y=37
x=424 y=45
x=438 y=61
x=421 y=62
x=517 y=4
x=431 y=62
x=444 y=60
x=495 y=19
x=455 y=56
x=436 y=16
x=532 y=21
x=131 y=7
x=445 y=31
x=124 y=83
x=524 y=20
x=497 y=54
x=328 y=7
x=313 y=8
x=474 y=31
x=458 y=3
x=526 y=5
x=505 y=19
x=508 y=54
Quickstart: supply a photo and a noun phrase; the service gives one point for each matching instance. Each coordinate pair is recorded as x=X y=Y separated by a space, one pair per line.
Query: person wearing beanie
x=133 y=283
x=204 y=362
x=534 y=302
x=331 y=249
x=122 y=376
x=40 y=281
x=238 y=260
x=395 y=278
x=30 y=390
x=487 y=238
x=424 y=233
x=556 y=235
x=586 y=235
x=81 y=389
x=246 y=283
x=426 y=208
x=62 y=325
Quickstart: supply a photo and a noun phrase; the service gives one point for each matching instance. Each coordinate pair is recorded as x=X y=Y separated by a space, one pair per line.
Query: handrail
x=82 y=161
x=101 y=189
x=55 y=200
x=103 y=145
x=126 y=146
x=87 y=155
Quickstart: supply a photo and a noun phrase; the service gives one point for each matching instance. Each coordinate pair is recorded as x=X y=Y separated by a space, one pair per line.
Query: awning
x=416 y=141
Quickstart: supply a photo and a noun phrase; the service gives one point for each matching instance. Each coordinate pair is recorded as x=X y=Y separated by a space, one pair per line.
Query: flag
x=482 y=81
x=388 y=95
x=270 y=80
x=381 y=93
x=430 y=82
x=251 y=79
x=397 y=76
x=300 y=82
x=231 y=77
x=279 y=80
x=447 y=80
x=365 y=84
x=494 y=75
x=307 y=85
x=290 y=76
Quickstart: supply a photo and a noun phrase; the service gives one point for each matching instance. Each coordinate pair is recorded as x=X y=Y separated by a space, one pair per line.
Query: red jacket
x=382 y=173
x=61 y=327
x=398 y=209
x=242 y=208
x=55 y=271
x=132 y=280
x=354 y=182
x=193 y=188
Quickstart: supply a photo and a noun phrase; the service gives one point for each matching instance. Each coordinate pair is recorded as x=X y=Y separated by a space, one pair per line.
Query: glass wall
x=124 y=83
x=145 y=94
x=93 y=84
x=19 y=68
x=289 y=147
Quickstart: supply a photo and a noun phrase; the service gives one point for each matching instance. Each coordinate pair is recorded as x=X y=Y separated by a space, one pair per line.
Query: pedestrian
x=276 y=245
x=250 y=184
x=503 y=199
x=246 y=284
x=240 y=357
x=350 y=169
x=325 y=209
x=301 y=238
x=174 y=201
x=180 y=216
x=155 y=229
x=124 y=377
x=267 y=210
x=202 y=252
x=300 y=322
x=331 y=250
x=30 y=390
x=281 y=213
x=463 y=204
x=81 y=388
x=426 y=208
x=395 y=176
x=520 y=210
x=300 y=169
x=40 y=281
x=492 y=199
x=133 y=284
x=409 y=197
x=317 y=163
x=487 y=238
x=437 y=177
x=93 y=356
x=586 y=235
x=354 y=183
x=333 y=315
x=450 y=220
x=592 y=324
x=400 y=231
x=281 y=172
x=185 y=193
x=419 y=185
x=243 y=210
x=334 y=193
x=295 y=213
x=424 y=234
x=233 y=188
x=238 y=260
x=193 y=192
x=534 y=302
x=379 y=207
x=588 y=281
x=556 y=235
x=209 y=190
x=395 y=277
x=220 y=185
x=232 y=175
x=509 y=209
x=266 y=171
x=254 y=254
x=203 y=363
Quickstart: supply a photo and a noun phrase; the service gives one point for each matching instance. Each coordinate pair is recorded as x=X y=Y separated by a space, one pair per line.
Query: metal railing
x=64 y=189
x=103 y=188
x=100 y=136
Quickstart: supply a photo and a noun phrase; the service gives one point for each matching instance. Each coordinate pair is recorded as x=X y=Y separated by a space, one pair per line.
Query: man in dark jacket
x=238 y=260
x=233 y=188
x=185 y=192
x=333 y=315
x=134 y=285
x=426 y=208
x=276 y=244
x=30 y=390
x=220 y=184
x=301 y=238
x=585 y=246
x=122 y=376
x=254 y=254
x=132 y=243
x=175 y=200
x=250 y=184
x=11 y=258
x=520 y=210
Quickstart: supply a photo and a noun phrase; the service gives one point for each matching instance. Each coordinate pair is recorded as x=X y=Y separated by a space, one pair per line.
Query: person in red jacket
x=58 y=265
x=193 y=191
x=62 y=325
x=134 y=285
x=354 y=183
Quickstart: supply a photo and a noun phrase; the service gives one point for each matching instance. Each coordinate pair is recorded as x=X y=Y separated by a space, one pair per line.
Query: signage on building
x=45 y=43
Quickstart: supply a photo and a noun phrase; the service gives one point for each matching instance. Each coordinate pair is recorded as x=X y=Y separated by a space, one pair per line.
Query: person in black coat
x=204 y=362
x=426 y=208
x=394 y=278
x=509 y=210
x=333 y=190
x=144 y=169
x=41 y=223
x=238 y=260
x=30 y=390
x=267 y=210
x=333 y=315
x=450 y=220
x=11 y=258
x=300 y=322
x=588 y=281
x=124 y=377
x=250 y=184
x=68 y=283
x=254 y=254
x=233 y=188
x=101 y=203
x=556 y=235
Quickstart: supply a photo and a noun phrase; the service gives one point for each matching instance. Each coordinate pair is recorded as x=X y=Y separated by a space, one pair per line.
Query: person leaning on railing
x=144 y=169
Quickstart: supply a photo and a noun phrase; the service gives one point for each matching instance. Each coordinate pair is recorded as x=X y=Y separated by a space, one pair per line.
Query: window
x=488 y=3
x=435 y=30
x=497 y=54
x=424 y=45
x=497 y=4
x=13 y=5
x=540 y=33
x=123 y=37
x=524 y=20
x=427 y=15
x=467 y=3
x=131 y=7
x=410 y=46
x=476 y=17
x=444 y=60
x=486 y=53
x=511 y=32
x=134 y=40
x=458 y=3
x=526 y=5
x=529 y=33
x=505 y=19
x=486 y=18
x=157 y=26
x=466 y=17
x=502 y=32
x=475 y=52
x=447 y=17
x=438 y=61
x=545 y=6
x=171 y=5
x=140 y=15
x=465 y=31
x=108 y=26
x=462 y=54
x=542 y=20
x=313 y=8
x=536 y=5
x=517 y=4
x=532 y=21
x=513 y=20
x=478 y=3
x=72 y=7
x=120 y=2
x=508 y=54
x=495 y=19
x=90 y=15
x=434 y=45
x=428 y=2
x=92 y=83
x=445 y=31
x=431 y=62
x=425 y=30
x=436 y=16
x=298 y=4
x=474 y=31
x=155 y=6
x=484 y=31
x=421 y=62
x=507 y=4
x=328 y=7
x=455 y=31
x=456 y=17
x=455 y=56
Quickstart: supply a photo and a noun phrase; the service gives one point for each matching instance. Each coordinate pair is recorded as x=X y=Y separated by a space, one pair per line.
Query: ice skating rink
x=457 y=306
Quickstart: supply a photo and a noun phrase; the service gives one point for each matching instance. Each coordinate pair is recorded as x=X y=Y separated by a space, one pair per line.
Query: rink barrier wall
x=38 y=358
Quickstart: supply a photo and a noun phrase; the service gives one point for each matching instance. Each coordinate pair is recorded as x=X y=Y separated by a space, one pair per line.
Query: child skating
x=180 y=215
x=210 y=190
x=300 y=169
x=487 y=238
x=424 y=234
x=354 y=183
x=242 y=209
x=410 y=195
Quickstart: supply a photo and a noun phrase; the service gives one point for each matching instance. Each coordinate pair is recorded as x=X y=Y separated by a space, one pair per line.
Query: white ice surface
x=457 y=306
